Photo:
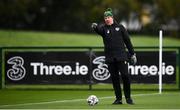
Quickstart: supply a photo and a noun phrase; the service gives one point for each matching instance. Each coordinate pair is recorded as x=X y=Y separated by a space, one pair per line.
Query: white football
x=92 y=100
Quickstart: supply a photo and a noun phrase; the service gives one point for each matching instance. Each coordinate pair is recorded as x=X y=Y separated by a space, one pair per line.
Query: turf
x=68 y=99
x=135 y=87
x=30 y=38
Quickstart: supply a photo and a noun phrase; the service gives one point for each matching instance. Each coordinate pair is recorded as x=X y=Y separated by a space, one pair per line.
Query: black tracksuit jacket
x=116 y=39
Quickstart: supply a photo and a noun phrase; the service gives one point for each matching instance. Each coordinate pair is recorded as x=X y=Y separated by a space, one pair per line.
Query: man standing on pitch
x=116 y=40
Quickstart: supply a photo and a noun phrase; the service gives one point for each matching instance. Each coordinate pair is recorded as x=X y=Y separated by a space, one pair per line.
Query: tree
x=169 y=13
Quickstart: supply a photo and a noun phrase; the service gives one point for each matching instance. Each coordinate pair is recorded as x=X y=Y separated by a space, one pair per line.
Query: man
x=116 y=38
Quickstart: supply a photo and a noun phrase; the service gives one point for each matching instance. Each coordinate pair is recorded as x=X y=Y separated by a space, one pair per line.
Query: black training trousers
x=114 y=68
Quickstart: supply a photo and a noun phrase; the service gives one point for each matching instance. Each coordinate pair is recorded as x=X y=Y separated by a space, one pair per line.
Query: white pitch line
x=73 y=100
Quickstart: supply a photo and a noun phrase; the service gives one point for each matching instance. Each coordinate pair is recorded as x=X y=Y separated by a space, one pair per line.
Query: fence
x=81 y=65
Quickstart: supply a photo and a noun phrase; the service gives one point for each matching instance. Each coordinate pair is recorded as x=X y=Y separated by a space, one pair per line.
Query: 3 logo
x=17 y=71
x=101 y=72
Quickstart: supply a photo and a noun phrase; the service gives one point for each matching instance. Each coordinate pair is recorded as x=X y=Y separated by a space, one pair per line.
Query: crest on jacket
x=108 y=31
x=117 y=28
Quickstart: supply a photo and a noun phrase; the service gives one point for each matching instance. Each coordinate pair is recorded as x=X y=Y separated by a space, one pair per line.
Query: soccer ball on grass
x=92 y=100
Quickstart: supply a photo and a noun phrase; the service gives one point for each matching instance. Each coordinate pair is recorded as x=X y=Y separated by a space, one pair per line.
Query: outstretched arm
x=97 y=28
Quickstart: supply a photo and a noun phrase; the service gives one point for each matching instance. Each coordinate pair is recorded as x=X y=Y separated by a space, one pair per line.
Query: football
x=92 y=100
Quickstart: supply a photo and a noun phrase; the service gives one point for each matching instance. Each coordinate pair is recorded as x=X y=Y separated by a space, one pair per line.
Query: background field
x=29 y=38
x=74 y=96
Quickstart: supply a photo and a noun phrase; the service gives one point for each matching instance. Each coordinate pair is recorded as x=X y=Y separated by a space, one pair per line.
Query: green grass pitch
x=29 y=38
x=64 y=98
x=76 y=99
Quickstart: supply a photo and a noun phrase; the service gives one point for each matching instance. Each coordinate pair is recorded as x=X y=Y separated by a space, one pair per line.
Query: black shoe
x=117 y=101
x=129 y=101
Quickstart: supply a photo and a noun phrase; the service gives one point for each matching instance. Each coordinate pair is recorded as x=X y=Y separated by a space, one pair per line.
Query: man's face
x=108 y=20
